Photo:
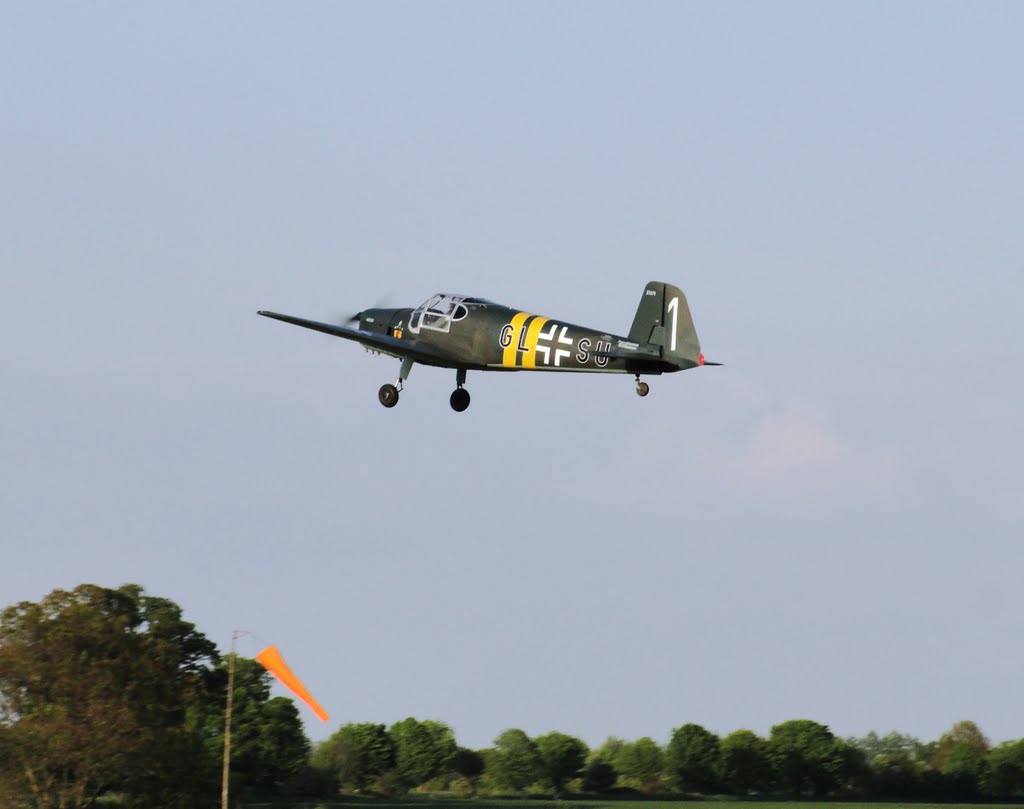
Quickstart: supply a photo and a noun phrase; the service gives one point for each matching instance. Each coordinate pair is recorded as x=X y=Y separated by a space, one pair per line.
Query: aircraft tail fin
x=663 y=319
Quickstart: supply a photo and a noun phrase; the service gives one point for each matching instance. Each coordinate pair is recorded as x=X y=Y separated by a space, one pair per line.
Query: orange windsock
x=274 y=663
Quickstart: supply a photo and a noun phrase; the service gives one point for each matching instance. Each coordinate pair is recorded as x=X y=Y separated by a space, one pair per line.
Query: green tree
x=809 y=760
x=744 y=763
x=893 y=743
x=423 y=750
x=641 y=763
x=897 y=764
x=105 y=689
x=692 y=759
x=562 y=758
x=357 y=755
x=965 y=732
x=965 y=768
x=517 y=762
x=1005 y=771
x=268 y=745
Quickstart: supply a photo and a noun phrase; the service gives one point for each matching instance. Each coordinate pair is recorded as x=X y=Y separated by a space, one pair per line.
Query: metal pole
x=227 y=724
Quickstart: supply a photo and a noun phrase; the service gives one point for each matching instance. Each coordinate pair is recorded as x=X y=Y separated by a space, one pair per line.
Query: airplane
x=475 y=334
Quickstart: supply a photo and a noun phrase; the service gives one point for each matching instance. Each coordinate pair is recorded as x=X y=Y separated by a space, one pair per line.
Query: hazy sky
x=828 y=527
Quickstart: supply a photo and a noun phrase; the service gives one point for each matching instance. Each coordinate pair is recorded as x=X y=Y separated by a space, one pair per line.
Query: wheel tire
x=642 y=389
x=459 y=399
x=388 y=395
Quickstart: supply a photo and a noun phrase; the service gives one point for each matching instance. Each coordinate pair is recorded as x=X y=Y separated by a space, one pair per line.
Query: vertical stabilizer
x=663 y=319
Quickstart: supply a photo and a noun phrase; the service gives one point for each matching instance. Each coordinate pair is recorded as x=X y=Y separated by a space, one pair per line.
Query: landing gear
x=388 y=395
x=460 y=396
x=642 y=388
x=459 y=399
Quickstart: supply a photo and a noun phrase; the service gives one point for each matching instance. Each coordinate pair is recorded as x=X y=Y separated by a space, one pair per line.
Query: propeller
x=350 y=318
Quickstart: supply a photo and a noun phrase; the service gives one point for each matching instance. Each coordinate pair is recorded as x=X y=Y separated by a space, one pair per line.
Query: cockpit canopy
x=439 y=311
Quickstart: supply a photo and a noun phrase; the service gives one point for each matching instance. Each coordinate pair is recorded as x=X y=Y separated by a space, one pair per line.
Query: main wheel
x=642 y=388
x=388 y=395
x=459 y=399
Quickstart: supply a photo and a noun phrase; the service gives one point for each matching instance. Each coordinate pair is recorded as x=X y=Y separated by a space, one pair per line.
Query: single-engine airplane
x=474 y=334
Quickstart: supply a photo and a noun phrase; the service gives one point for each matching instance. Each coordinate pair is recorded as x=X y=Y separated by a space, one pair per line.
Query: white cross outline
x=559 y=352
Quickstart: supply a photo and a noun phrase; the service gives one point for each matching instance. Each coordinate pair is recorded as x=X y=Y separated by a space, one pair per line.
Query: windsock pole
x=225 y=777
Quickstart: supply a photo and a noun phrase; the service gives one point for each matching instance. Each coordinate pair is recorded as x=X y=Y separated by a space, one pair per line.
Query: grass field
x=599 y=803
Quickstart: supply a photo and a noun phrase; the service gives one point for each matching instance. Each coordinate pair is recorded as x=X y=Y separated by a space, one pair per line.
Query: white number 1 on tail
x=673 y=307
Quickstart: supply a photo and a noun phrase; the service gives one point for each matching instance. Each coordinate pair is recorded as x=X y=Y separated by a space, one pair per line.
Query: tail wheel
x=388 y=395
x=642 y=389
x=459 y=399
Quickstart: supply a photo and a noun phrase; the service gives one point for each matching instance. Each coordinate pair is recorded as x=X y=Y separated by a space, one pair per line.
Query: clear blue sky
x=828 y=527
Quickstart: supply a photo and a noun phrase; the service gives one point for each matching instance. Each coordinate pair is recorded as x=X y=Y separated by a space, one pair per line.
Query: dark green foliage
x=809 y=761
x=516 y=761
x=562 y=757
x=468 y=763
x=598 y=776
x=467 y=766
x=897 y=764
x=268 y=745
x=357 y=755
x=1005 y=773
x=423 y=750
x=692 y=759
x=745 y=767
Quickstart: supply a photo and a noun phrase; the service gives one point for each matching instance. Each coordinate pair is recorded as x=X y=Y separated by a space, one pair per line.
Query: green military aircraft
x=474 y=334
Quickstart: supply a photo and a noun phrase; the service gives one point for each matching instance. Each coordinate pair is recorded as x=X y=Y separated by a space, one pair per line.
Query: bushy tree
x=268 y=744
x=745 y=767
x=517 y=762
x=105 y=689
x=964 y=732
x=692 y=759
x=641 y=763
x=965 y=768
x=1005 y=772
x=962 y=759
x=808 y=760
x=562 y=758
x=423 y=750
x=357 y=754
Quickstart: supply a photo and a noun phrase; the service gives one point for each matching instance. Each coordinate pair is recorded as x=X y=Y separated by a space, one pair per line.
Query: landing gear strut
x=388 y=394
x=642 y=388
x=460 y=396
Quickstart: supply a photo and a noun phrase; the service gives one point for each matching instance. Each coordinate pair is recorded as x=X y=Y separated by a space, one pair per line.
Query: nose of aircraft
x=375 y=320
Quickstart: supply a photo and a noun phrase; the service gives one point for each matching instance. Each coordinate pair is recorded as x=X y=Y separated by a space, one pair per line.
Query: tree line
x=110 y=694
x=799 y=759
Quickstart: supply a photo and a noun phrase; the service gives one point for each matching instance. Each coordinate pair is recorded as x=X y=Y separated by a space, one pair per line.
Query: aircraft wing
x=384 y=343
